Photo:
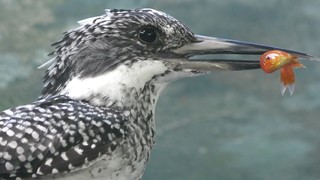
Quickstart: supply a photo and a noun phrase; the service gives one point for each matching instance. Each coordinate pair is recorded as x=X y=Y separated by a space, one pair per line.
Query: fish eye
x=148 y=34
x=266 y=58
x=271 y=56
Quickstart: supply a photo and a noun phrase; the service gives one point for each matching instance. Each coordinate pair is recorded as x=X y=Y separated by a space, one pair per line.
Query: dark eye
x=148 y=34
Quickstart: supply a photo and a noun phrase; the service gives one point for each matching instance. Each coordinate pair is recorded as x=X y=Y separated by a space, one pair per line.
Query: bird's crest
x=100 y=43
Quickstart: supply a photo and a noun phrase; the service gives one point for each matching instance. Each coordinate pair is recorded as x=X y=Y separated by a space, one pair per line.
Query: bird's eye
x=148 y=34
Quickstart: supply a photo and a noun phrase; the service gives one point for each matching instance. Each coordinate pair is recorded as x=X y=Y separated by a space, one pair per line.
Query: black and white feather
x=95 y=116
x=56 y=135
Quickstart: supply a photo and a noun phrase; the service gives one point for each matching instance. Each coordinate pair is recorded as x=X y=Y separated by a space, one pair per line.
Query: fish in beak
x=205 y=45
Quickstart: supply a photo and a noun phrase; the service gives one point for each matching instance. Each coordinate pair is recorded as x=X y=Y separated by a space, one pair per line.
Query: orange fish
x=273 y=60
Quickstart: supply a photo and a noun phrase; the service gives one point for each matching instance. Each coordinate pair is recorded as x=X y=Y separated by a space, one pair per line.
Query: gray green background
x=226 y=125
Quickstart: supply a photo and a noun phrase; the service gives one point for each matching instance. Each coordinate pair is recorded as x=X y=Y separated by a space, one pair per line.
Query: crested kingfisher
x=95 y=116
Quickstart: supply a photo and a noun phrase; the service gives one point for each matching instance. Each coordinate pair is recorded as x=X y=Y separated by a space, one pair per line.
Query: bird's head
x=125 y=49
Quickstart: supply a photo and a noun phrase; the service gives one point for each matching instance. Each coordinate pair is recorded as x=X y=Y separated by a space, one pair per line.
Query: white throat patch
x=112 y=84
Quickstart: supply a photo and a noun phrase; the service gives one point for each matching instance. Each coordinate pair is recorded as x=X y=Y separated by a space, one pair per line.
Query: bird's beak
x=205 y=45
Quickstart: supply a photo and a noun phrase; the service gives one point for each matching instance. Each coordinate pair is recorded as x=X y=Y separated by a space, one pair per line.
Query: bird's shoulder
x=56 y=134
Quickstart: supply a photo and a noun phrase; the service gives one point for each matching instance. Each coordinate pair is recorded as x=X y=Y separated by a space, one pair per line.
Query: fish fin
x=297 y=64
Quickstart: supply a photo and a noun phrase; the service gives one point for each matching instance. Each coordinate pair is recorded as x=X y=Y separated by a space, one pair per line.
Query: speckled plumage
x=95 y=116
x=102 y=43
x=55 y=135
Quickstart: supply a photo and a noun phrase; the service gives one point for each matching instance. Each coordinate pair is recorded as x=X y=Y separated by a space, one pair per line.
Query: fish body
x=274 y=60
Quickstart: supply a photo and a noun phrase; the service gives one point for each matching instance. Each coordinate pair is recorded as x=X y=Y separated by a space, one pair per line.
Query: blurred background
x=226 y=125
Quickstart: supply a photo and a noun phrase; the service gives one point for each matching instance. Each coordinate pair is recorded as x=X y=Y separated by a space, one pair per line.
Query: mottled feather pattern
x=95 y=116
x=114 y=34
x=54 y=135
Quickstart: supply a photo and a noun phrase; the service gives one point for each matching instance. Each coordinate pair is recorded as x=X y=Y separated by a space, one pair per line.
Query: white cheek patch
x=113 y=83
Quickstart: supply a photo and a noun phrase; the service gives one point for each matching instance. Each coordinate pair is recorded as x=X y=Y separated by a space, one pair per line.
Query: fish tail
x=287 y=80
x=285 y=87
x=291 y=88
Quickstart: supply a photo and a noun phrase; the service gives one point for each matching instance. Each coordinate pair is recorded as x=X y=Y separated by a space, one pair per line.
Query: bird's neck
x=134 y=90
x=125 y=87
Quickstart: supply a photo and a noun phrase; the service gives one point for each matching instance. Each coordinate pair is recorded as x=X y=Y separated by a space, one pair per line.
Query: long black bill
x=210 y=45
